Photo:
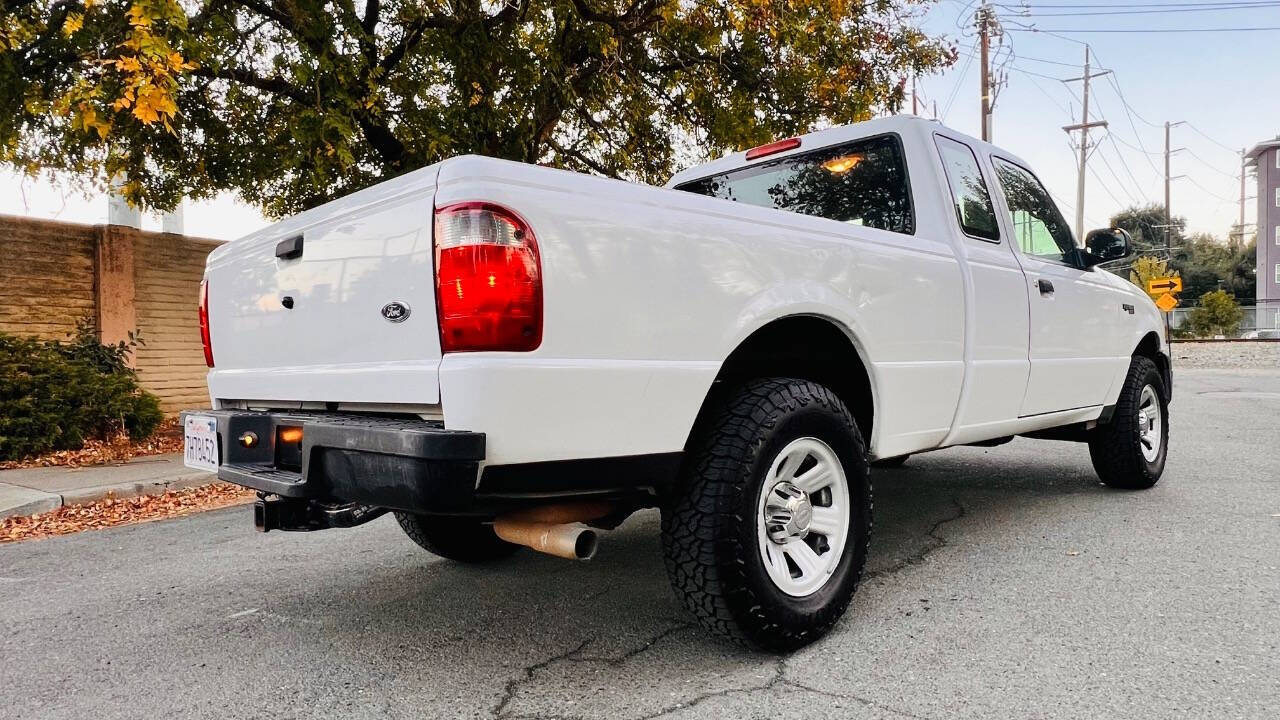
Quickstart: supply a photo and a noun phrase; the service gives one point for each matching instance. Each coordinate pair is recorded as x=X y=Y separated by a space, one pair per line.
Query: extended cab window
x=862 y=182
x=1037 y=224
x=968 y=191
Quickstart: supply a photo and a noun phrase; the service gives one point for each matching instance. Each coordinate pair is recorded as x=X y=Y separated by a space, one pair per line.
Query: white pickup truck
x=507 y=355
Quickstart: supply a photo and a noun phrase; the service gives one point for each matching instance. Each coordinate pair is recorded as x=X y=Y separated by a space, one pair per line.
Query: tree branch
x=371 y=10
x=275 y=85
x=412 y=36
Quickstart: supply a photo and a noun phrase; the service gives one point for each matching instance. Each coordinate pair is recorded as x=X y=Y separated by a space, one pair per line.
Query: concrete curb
x=16 y=501
x=80 y=496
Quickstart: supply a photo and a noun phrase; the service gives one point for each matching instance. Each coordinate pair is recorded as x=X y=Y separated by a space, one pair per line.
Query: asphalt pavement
x=1004 y=583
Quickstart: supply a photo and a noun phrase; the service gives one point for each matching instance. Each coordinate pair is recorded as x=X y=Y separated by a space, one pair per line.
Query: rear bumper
x=410 y=465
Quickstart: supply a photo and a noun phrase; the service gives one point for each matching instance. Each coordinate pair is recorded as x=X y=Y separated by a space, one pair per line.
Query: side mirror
x=1105 y=245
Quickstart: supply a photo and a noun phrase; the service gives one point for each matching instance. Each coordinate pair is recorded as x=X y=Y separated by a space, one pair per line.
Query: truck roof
x=905 y=125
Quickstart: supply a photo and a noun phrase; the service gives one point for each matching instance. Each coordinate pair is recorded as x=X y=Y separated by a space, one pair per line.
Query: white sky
x=1223 y=84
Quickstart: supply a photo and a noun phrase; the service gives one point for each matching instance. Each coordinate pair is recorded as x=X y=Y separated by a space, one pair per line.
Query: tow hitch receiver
x=272 y=512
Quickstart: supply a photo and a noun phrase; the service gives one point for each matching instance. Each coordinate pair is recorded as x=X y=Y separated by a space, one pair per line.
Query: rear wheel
x=462 y=539
x=766 y=537
x=1129 y=452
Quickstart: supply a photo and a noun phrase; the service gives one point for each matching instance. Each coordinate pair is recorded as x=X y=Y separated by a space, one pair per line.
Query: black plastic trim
x=289 y=248
x=582 y=475
x=393 y=462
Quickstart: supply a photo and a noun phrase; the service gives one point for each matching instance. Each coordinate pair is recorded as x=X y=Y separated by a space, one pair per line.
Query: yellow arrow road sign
x=1158 y=285
x=1167 y=302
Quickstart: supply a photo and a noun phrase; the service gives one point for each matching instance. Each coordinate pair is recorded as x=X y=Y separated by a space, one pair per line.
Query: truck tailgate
x=350 y=319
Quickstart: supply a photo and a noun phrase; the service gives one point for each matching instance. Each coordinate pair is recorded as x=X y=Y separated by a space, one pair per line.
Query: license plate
x=200 y=442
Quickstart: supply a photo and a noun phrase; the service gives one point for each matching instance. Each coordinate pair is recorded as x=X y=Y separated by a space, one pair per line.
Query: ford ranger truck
x=506 y=356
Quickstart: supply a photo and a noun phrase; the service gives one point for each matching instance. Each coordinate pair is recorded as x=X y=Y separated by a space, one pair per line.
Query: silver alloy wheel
x=803 y=517
x=1149 y=423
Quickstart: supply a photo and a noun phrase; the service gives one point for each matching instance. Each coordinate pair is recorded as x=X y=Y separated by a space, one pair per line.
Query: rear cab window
x=972 y=201
x=863 y=182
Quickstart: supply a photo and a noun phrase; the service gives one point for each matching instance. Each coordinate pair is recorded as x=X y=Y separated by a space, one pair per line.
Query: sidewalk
x=38 y=490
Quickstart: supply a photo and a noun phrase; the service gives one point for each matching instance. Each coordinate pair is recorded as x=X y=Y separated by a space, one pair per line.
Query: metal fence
x=1266 y=314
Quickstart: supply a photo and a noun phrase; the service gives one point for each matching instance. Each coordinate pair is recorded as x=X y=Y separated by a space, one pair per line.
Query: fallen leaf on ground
x=113 y=511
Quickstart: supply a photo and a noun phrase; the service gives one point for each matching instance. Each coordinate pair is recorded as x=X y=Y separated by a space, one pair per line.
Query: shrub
x=54 y=396
x=1217 y=314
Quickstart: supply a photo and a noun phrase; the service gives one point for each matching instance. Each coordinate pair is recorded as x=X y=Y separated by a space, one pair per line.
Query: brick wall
x=46 y=276
x=54 y=273
x=167 y=272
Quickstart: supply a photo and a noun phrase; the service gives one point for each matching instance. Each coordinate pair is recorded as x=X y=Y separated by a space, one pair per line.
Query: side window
x=1038 y=226
x=968 y=191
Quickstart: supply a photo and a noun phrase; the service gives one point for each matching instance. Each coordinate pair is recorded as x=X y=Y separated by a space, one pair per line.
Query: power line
x=1119 y=182
x=1202 y=134
x=1210 y=165
x=1115 y=83
x=1110 y=194
x=1131 y=146
x=1139 y=5
x=1050 y=62
x=1140 y=30
x=946 y=109
x=1219 y=8
x=1125 y=165
x=1210 y=192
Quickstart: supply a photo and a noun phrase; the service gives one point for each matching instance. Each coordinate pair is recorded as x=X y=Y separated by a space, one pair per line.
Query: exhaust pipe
x=554 y=529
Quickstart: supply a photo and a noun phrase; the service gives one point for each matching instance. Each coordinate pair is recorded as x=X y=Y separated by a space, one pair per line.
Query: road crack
x=936 y=543
x=527 y=674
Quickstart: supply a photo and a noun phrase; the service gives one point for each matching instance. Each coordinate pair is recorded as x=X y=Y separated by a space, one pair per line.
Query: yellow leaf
x=138 y=17
x=128 y=63
x=73 y=23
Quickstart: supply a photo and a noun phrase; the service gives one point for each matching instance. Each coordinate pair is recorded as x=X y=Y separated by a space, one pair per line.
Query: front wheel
x=1129 y=452
x=766 y=536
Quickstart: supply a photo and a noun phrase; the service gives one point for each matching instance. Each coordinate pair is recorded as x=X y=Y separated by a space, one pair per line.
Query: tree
x=1146 y=267
x=292 y=102
x=1204 y=262
x=1217 y=314
x=1145 y=225
x=1209 y=264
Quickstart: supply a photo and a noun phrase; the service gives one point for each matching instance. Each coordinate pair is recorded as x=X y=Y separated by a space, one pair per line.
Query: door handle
x=1046 y=287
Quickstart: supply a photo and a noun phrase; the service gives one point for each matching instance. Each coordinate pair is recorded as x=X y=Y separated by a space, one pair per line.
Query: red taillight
x=773 y=148
x=204 y=323
x=488 y=279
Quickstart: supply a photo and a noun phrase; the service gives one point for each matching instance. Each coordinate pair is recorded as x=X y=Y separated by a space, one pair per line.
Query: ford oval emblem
x=395 y=312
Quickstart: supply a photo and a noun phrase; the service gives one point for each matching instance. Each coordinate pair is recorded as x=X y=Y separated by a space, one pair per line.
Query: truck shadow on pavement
x=536 y=636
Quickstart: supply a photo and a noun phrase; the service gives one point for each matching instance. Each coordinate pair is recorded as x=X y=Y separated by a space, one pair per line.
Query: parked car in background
x=1262 y=334
x=507 y=355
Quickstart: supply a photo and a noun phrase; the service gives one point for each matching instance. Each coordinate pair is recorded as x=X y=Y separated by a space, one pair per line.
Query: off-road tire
x=709 y=531
x=1116 y=448
x=462 y=539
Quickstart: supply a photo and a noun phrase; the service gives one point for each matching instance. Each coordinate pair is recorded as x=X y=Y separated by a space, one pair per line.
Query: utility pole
x=1083 y=126
x=1243 y=172
x=985 y=16
x=915 y=97
x=1168 y=217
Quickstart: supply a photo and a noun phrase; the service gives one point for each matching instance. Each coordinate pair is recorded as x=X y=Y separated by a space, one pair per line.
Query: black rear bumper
x=400 y=464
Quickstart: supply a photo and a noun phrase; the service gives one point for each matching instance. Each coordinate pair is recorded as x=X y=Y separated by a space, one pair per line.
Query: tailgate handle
x=289 y=248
